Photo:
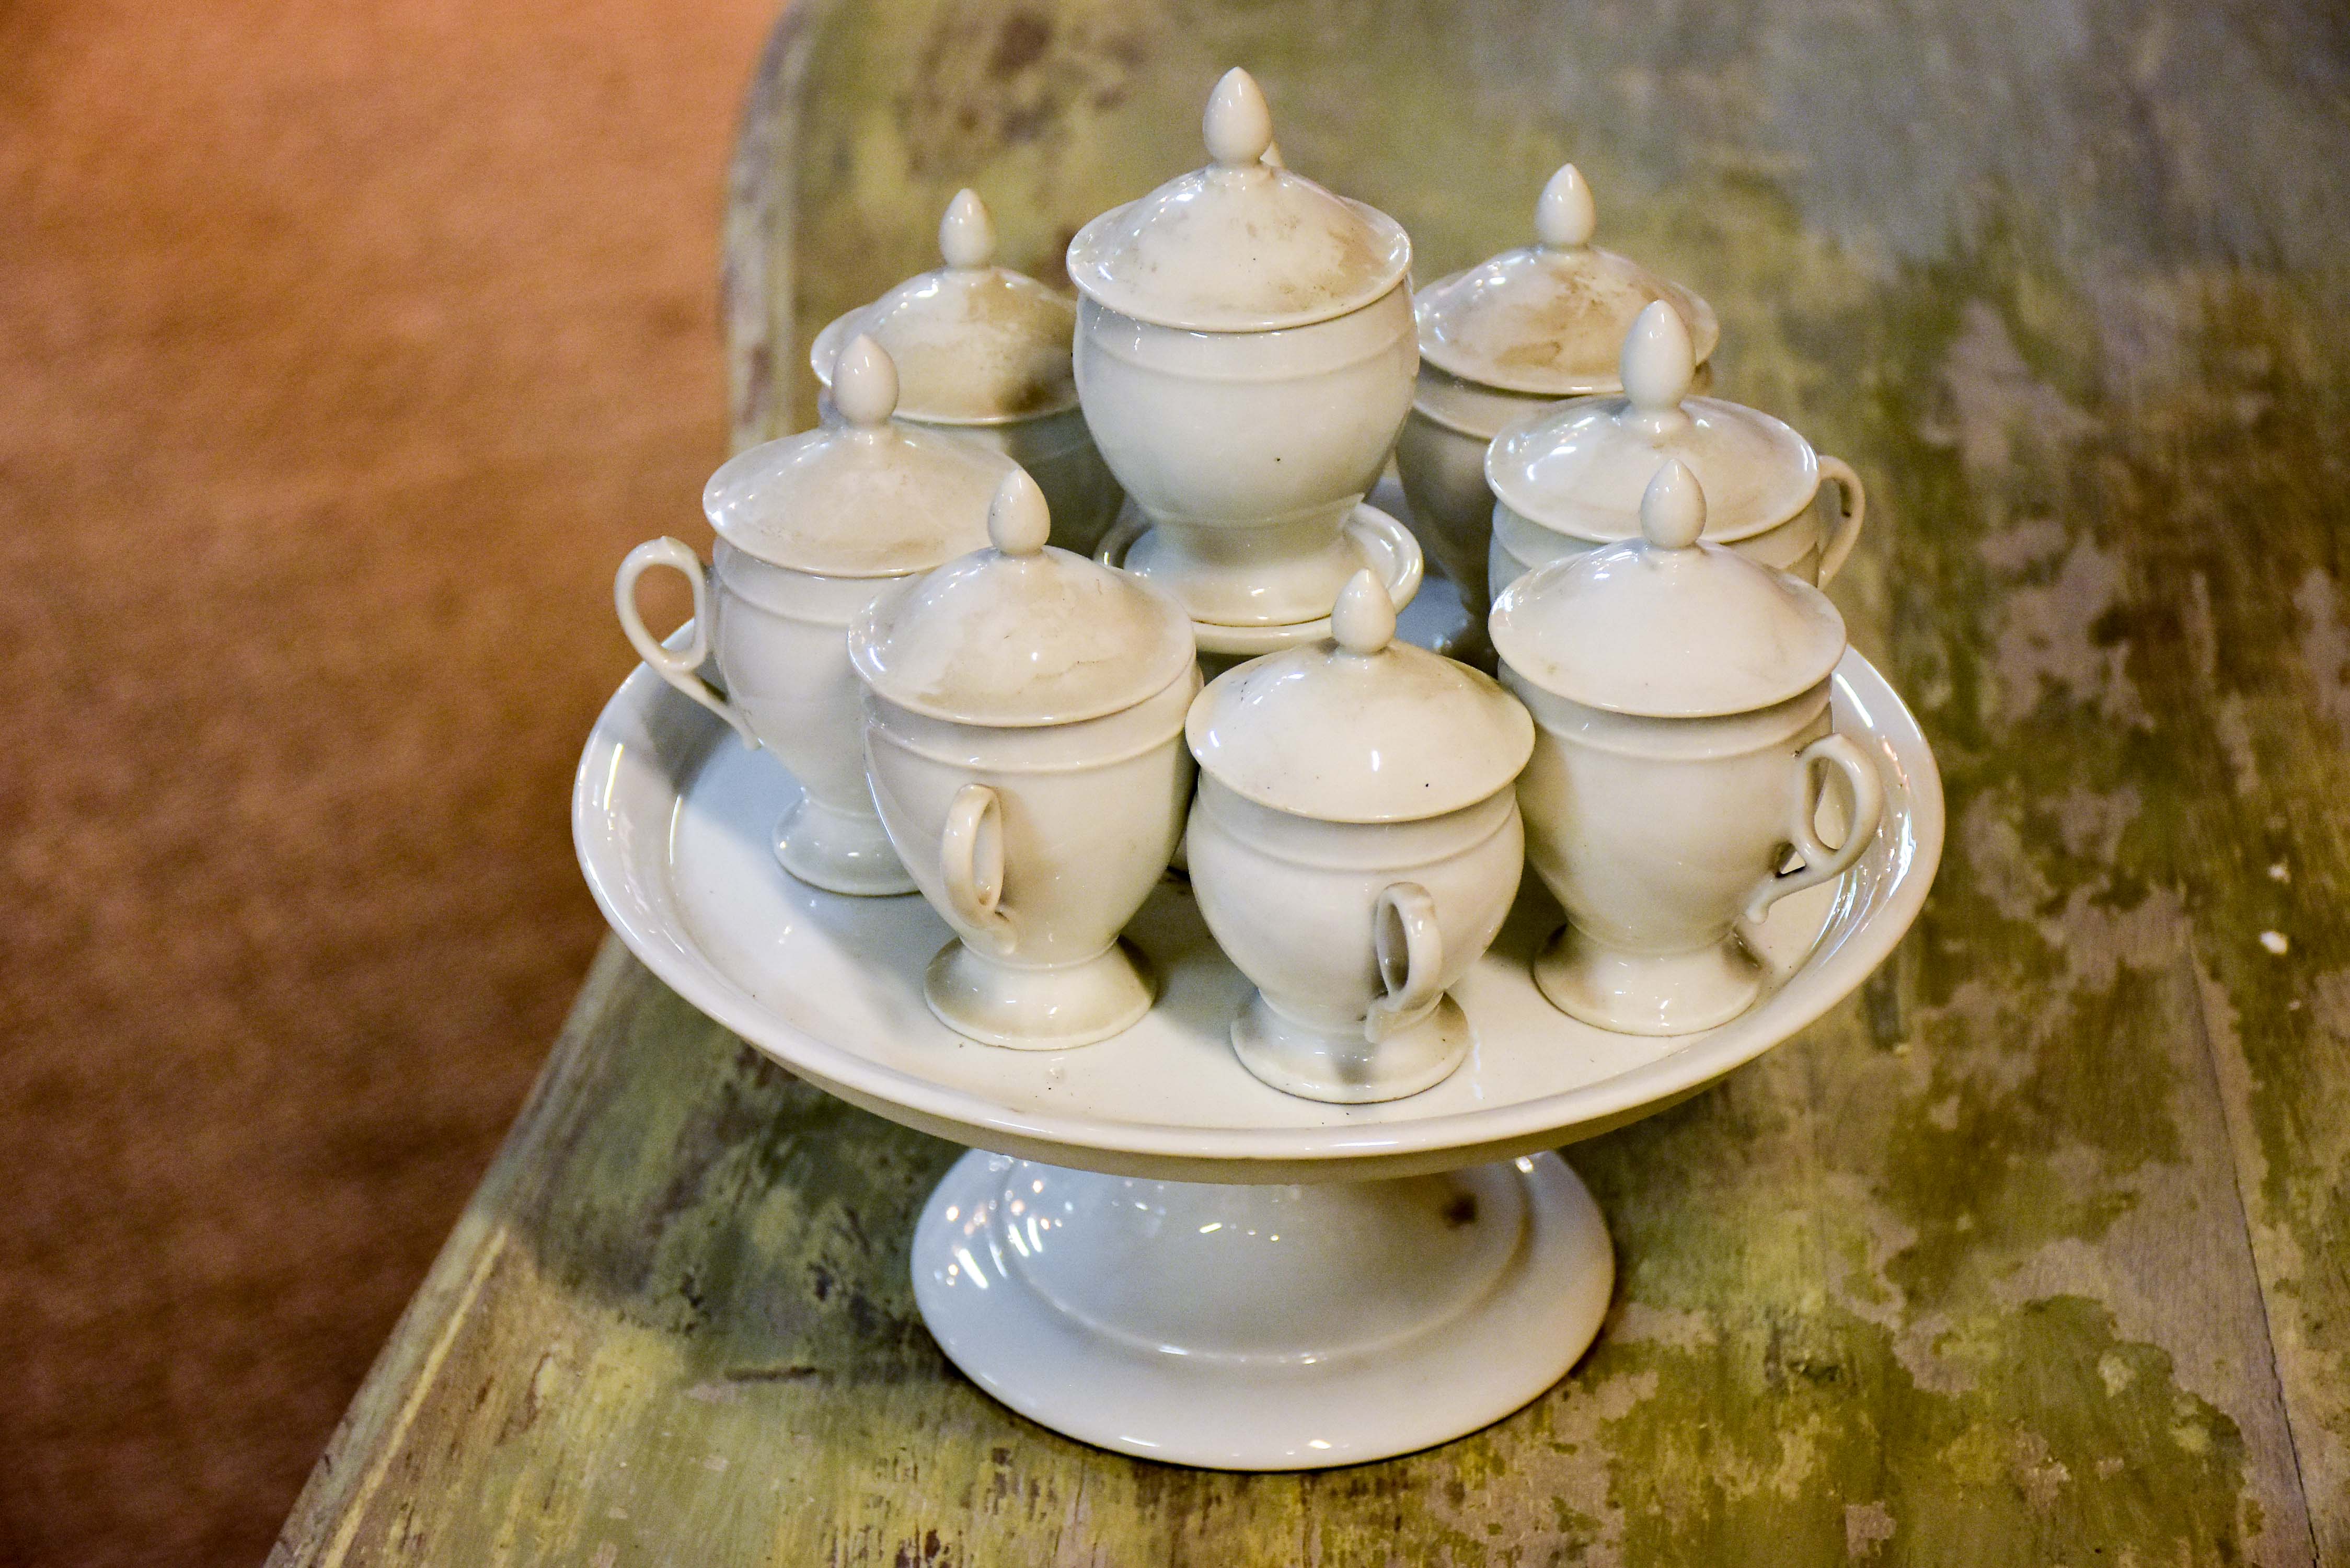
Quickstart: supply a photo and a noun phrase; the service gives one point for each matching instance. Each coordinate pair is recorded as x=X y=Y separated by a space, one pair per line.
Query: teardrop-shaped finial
x=1672 y=509
x=1564 y=215
x=1239 y=124
x=1018 y=521
x=967 y=235
x=1364 y=619
x=865 y=383
x=1659 y=362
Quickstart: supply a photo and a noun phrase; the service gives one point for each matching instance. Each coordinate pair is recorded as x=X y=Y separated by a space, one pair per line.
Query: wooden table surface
x=2034 y=1253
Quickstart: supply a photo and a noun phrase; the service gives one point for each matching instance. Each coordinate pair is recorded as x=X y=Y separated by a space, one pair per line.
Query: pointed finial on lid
x=1564 y=215
x=1364 y=619
x=1659 y=362
x=865 y=383
x=967 y=235
x=1672 y=509
x=1238 y=123
x=1271 y=157
x=1018 y=521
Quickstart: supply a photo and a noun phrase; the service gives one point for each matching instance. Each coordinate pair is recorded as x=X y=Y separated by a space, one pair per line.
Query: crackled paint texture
x=2036 y=1252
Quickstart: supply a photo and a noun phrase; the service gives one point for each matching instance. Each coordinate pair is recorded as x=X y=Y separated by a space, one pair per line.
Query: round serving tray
x=671 y=814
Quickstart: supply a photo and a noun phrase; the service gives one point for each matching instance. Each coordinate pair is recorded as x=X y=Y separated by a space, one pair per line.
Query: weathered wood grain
x=2034 y=1253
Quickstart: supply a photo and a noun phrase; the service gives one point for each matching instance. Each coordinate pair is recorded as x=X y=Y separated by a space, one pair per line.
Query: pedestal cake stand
x=1147 y=1248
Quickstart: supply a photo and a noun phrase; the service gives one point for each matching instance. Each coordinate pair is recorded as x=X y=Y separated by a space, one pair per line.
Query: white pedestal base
x=1263 y=1328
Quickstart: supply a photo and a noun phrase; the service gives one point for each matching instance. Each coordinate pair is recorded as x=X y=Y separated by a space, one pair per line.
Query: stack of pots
x=1021 y=730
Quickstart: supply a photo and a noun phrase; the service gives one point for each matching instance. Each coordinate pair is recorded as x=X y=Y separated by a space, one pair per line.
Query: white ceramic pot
x=983 y=354
x=1568 y=479
x=1024 y=735
x=1680 y=692
x=1245 y=355
x=777 y=637
x=1354 y=848
x=1659 y=837
x=1037 y=846
x=1354 y=933
x=811 y=529
x=1810 y=544
x=1299 y=422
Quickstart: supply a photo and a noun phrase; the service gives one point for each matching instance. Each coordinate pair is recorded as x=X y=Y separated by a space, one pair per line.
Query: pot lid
x=1579 y=468
x=1242 y=245
x=1665 y=625
x=866 y=498
x=1549 y=318
x=974 y=342
x=1359 y=727
x=1022 y=633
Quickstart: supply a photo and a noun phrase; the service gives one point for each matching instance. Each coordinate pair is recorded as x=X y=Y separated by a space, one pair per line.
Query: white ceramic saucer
x=1386 y=546
x=1174 y=1282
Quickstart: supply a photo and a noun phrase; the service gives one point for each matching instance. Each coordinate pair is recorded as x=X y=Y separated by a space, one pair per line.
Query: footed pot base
x=1648 y=993
x=1340 y=1065
x=840 y=851
x=1263 y=1328
x=1273 y=575
x=1039 y=1009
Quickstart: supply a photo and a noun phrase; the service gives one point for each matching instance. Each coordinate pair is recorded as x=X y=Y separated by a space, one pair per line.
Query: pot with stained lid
x=1498 y=341
x=982 y=353
x=1681 y=693
x=812 y=528
x=1244 y=355
x=1354 y=847
x=1023 y=732
x=1570 y=479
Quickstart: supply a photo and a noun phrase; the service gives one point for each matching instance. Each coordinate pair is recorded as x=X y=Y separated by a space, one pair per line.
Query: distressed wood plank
x=2034 y=1253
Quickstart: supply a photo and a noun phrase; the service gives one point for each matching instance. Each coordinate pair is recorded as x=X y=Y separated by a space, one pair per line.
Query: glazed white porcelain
x=1663 y=838
x=1681 y=696
x=1037 y=851
x=1246 y=313
x=1355 y=935
x=1355 y=847
x=1549 y=318
x=1568 y=479
x=1500 y=341
x=1378 y=541
x=1036 y=800
x=776 y=638
x=1300 y=421
x=1263 y=1328
x=671 y=822
x=773 y=612
x=984 y=353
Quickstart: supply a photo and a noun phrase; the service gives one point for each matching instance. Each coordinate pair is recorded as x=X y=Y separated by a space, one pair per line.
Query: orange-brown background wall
x=343 y=347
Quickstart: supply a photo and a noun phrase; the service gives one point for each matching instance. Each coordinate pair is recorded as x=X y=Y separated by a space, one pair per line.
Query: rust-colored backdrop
x=343 y=350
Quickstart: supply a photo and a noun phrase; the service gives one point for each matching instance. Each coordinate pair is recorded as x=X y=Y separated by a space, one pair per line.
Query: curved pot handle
x=1845 y=533
x=970 y=864
x=680 y=667
x=1822 y=863
x=1410 y=957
